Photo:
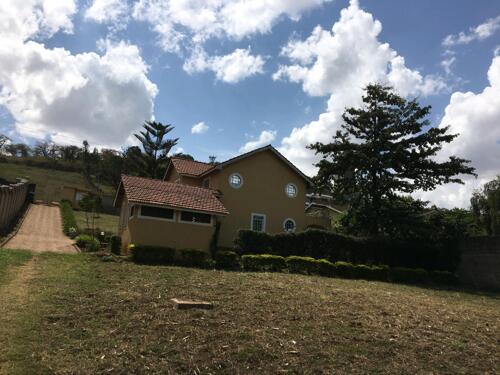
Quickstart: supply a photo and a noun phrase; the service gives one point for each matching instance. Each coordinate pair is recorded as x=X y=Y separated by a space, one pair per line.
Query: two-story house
x=259 y=190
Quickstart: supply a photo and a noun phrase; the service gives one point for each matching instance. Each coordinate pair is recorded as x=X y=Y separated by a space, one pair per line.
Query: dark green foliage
x=385 y=148
x=379 y=273
x=344 y=270
x=155 y=147
x=87 y=243
x=193 y=258
x=214 y=241
x=153 y=254
x=443 y=277
x=115 y=243
x=263 y=262
x=304 y=265
x=486 y=207
x=227 y=260
x=68 y=219
x=441 y=253
x=408 y=275
x=325 y=268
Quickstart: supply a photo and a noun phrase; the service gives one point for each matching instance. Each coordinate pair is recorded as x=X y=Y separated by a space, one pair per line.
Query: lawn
x=12 y=258
x=84 y=315
x=48 y=182
x=108 y=223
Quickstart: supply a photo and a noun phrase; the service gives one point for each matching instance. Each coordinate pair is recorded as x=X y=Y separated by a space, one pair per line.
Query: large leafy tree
x=385 y=149
x=156 y=147
x=486 y=207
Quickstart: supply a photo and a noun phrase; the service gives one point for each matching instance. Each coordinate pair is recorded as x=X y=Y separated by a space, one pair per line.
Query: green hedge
x=87 y=243
x=153 y=254
x=193 y=258
x=263 y=262
x=320 y=244
x=306 y=265
x=68 y=219
x=443 y=277
x=227 y=260
x=408 y=275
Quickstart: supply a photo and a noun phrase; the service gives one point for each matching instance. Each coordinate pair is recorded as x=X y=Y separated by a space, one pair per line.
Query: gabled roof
x=258 y=150
x=187 y=167
x=170 y=194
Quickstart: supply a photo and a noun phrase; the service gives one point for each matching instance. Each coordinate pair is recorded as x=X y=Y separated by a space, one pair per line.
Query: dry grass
x=94 y=317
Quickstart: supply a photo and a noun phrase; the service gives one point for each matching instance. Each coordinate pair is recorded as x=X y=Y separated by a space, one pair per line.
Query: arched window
x=289 y=225
x=291 y=190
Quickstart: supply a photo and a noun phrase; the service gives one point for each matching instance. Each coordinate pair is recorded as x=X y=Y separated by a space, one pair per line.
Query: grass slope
x=108 y=223
x=48 y=182
x=11 y=258
x=87 y=316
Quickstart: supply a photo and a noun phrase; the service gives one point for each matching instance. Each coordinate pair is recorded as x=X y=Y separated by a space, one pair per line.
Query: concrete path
x=41 y=230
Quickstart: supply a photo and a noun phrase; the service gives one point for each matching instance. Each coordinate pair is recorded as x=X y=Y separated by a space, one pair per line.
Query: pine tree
x=155 y=147
x=384 y=150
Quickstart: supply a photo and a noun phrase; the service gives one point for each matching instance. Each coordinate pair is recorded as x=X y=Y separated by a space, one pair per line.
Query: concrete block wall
x=12 y=198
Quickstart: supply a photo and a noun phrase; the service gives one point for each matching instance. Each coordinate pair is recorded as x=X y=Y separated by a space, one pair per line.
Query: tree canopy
x=385 y=149
x=485 y=205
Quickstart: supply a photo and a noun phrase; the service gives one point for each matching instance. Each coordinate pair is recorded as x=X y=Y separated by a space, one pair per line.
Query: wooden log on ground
x=181 y=304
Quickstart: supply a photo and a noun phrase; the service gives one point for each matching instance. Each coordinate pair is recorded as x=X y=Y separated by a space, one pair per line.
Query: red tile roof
x=190 y=167
x=170 y=194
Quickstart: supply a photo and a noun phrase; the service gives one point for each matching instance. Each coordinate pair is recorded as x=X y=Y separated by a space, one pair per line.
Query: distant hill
x=48 y=182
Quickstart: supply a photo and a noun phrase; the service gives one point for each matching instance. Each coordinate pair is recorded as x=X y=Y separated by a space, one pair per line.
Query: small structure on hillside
x=321 y=211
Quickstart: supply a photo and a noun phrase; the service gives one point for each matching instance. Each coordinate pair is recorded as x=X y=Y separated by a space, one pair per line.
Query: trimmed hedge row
x=68 y=219
x=311 y=266
x=167 y=255
x=320 y=244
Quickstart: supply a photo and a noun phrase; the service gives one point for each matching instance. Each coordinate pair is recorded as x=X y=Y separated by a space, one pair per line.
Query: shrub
x=325 y=268
x=443 y=277
x=344 y=269
x=87 y=243
x=115 y=244
x=252 y=242
x=152 y=254
x=68 y=219
x=263 y=262
x=305 y=265
x=193 y=258
x=408 y=275
x=380 y=273
x=361 y=271
x=227 y=260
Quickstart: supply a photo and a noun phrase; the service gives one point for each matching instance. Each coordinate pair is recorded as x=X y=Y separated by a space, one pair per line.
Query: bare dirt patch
x=41 y=230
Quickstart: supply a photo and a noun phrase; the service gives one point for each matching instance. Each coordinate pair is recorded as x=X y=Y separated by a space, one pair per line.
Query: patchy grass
x=89 y=316
x=108 y=223
x=48 y=182
x=11 y=258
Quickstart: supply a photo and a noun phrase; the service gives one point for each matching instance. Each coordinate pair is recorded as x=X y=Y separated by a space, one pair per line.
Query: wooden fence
x=12 y=199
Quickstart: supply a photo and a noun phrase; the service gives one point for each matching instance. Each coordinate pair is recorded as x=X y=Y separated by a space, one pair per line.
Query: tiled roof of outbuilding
x=190 y=167
x=149 y=191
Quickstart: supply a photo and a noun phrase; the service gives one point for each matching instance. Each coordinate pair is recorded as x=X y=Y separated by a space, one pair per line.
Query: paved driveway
x=41 y=230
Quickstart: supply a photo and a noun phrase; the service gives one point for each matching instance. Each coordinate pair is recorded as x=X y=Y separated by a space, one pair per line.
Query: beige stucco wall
x=176 y=234
x=263 y=191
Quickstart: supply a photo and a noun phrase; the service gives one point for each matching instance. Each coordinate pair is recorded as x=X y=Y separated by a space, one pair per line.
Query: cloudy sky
x=232 y=75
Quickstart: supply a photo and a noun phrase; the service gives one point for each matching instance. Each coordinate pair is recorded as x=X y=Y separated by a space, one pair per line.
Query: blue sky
x=96 y=69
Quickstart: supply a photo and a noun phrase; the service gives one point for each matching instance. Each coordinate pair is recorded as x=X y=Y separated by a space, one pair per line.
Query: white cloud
x=476 y=117
x=480 y=32
x=199 y=128
x=196 y=21
x=230 y=68
x=340 y=63
x=265 y=138
x=447 y=63
x=109 y=11
x=50 y=92
x=21 y=20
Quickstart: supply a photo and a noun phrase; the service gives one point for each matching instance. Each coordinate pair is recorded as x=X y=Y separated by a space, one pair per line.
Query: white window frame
x=229 y=180
x=263 y=224
x=294 y=225
x=131 y=213
x=296 y=190
x=194 y=223
x=141 y=216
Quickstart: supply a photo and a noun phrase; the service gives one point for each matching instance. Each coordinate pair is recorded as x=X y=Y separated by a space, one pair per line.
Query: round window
x=291 y=190
x=235 y=180
x=289 y=225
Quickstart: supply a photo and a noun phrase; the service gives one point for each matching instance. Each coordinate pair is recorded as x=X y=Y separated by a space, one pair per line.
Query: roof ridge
x=189 y=160
x=170 y=183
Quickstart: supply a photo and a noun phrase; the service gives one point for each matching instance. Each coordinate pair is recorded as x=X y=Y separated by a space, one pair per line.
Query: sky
x=232 y=76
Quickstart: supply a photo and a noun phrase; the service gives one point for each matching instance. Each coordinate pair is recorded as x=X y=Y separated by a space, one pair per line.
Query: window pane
x=258 y=223
x=195 y=217
x=289 y=226
x=291 y=190
x=235 y=180
x=164 y=213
